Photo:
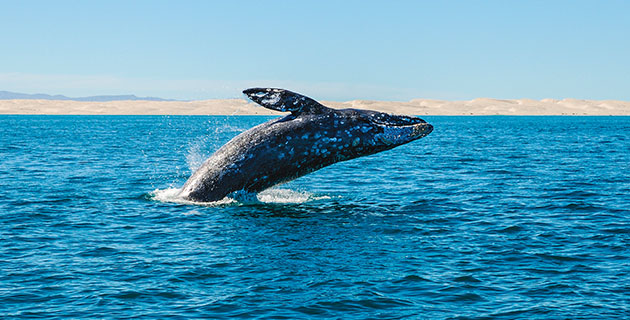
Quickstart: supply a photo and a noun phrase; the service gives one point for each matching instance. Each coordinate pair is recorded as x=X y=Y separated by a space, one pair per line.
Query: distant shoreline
x=420 y=107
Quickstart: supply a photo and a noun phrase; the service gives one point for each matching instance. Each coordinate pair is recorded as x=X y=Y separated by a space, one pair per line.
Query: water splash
x=269 y=196
x=197 y=153
x=202 y=148
x=277 y=195
x=172 y=195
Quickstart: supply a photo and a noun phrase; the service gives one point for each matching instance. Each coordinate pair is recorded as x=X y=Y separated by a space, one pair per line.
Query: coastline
x=480 y=106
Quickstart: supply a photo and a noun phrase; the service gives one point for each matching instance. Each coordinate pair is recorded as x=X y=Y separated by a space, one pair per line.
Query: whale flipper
x=284 y=100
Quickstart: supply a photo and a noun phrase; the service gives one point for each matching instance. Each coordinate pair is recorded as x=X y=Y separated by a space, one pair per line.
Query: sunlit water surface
x=487 y=217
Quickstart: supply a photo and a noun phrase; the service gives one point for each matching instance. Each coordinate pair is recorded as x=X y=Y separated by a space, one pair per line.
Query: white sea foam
x=172 y=195
x=274 y=195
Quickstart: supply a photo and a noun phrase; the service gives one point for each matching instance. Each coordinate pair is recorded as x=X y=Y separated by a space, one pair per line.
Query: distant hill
x=7 y=95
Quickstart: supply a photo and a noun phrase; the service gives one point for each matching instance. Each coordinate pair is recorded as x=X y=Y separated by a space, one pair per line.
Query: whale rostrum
x=311 y=137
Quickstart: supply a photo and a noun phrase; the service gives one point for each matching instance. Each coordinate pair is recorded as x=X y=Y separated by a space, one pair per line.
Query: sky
x=329 y=50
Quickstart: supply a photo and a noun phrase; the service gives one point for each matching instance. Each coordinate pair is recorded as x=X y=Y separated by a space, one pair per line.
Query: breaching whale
x=311 y=137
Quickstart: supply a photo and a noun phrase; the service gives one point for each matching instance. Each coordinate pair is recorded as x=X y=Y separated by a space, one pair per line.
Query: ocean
x=486 y=218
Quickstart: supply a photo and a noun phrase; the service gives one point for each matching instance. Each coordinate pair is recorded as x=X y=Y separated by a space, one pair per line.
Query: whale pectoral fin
x=284 y=100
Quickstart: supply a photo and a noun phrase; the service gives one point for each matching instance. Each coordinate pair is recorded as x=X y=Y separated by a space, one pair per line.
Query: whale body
x=311 y=137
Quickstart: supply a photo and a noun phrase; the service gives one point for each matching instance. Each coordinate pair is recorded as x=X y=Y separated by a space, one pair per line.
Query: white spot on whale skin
x=272 y=99
x=355 y=142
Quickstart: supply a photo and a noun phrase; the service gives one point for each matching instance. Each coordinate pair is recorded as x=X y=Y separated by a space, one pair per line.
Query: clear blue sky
x=331 y=50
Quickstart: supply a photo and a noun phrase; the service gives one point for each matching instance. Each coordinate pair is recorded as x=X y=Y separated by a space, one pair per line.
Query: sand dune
x=480 y=106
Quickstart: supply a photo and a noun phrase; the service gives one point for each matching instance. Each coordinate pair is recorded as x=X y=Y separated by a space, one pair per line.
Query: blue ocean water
x=487 y=217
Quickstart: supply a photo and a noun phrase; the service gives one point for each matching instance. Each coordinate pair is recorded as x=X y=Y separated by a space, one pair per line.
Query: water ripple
x=488 y=217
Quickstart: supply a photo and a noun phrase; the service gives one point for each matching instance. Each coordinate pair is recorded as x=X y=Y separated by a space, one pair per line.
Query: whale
x=312 y=136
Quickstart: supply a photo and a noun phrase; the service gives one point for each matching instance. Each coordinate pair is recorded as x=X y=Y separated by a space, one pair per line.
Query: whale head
x=371 y=131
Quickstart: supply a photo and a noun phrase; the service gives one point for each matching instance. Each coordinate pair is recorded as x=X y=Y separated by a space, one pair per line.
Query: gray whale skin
x=311 y=137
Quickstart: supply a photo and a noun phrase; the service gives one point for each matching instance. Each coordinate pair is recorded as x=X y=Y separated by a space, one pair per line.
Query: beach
x=479 y=106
